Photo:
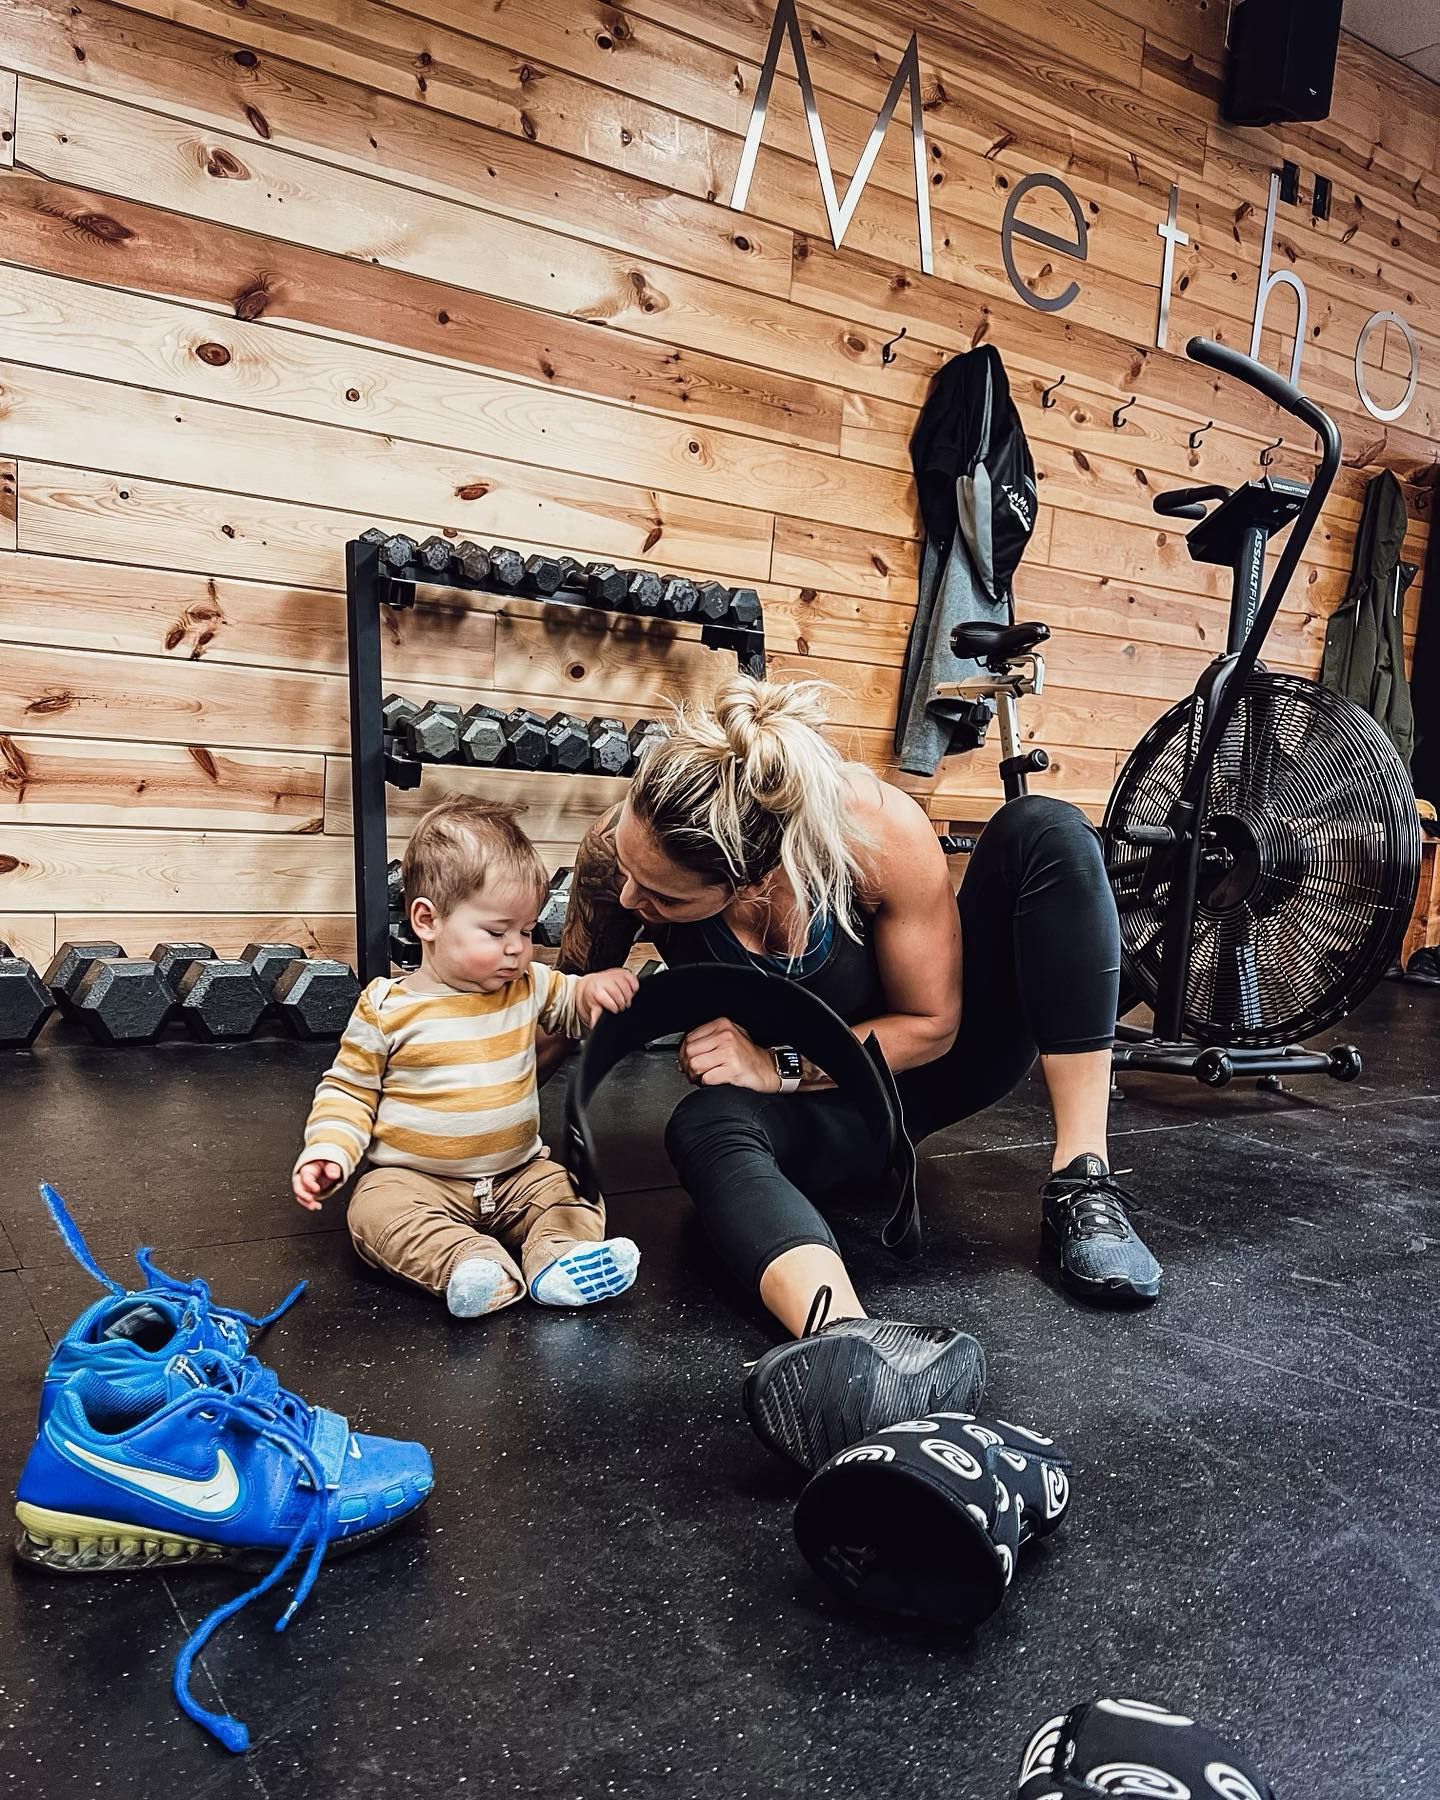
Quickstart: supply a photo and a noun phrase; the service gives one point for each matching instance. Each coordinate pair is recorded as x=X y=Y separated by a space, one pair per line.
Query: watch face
x=787 y=1063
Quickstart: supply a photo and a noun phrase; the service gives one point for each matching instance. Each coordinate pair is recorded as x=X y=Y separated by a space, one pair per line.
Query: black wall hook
x=1117 y=418
x=887 y=351
x=1199 y=432
x=1267 y=455
x=1047 y=395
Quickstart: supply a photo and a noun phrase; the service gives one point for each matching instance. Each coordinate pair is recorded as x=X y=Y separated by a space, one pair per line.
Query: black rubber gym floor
x=603 y=1597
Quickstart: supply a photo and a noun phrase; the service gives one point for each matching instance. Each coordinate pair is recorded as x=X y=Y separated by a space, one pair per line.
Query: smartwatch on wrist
x=788 y=1067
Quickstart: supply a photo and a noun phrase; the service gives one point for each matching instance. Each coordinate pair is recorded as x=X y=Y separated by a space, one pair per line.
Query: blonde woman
x=746 y=839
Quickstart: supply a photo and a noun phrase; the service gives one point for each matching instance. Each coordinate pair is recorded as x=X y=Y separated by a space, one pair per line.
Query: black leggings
x=1041 y=947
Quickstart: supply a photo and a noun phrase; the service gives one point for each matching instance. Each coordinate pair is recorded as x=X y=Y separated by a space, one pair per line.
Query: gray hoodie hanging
x=978 y=501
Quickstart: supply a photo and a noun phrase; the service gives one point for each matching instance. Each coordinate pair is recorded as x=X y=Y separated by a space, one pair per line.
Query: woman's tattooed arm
x=599 y=932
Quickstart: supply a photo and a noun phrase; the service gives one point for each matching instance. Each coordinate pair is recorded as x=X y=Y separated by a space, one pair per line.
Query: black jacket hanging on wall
x=1365 y=639
x=1425 y=679
x=978 y=501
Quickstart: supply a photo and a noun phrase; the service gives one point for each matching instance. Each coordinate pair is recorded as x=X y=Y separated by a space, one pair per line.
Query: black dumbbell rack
x=369 y=586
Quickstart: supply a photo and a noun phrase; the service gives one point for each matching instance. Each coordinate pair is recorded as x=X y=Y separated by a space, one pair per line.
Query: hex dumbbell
x=472 y=562
x=122 y=1000
x=679 y=597
x=435 y=556
x=433 y=735
x=507 y=569
x=642 y=592
x=550 y=923
x=643 y=734
x=67 y=970
x=610 y=752
x=482 y=738
x=569 y=743
x=605 y=585
x=25 y=1001
x=543 y=575
x=528 y=739
x=314 y=996
x=745 y=609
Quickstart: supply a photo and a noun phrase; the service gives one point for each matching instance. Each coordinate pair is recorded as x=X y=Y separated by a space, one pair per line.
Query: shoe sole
x=1117 y=1293
x=595 y=1273
x=808 y=1399
x=74 y=1544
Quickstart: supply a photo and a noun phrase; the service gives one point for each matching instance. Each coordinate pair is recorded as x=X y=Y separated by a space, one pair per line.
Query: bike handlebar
x=1226 y=361
x=1188 y=503
x=1285 y=394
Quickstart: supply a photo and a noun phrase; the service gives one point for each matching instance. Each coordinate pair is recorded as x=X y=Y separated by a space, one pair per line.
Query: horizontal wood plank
x=95 y=236
x=109 y=335
x=31 y=935
x=54 y=780
x=188 y=617
x=69 y=869
x=231 y=449
x=558 y=809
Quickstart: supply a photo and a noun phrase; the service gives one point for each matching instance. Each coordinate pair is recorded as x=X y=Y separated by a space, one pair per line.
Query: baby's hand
x=312 y=1181
x=608 y=990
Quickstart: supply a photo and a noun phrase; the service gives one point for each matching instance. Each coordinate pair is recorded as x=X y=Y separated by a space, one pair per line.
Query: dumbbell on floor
x=25 y=1001
x=314 y=996
x=126 y=1000
x=67 y=970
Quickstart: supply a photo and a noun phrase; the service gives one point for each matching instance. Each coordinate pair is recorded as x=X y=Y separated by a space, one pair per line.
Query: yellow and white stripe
x=444 y=1083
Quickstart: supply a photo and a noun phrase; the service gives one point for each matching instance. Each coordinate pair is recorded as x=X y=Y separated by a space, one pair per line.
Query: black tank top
x=833 y=966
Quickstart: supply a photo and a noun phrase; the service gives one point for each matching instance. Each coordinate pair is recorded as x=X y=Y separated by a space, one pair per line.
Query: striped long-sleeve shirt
x=440 y=1082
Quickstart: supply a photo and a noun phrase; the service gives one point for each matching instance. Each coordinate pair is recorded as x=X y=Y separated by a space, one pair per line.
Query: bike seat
x=986 y=642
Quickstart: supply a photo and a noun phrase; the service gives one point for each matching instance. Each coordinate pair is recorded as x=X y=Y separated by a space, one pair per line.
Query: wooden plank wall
x=275 y=274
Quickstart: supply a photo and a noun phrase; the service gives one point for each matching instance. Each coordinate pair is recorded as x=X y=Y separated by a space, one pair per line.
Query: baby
x=435 y=1078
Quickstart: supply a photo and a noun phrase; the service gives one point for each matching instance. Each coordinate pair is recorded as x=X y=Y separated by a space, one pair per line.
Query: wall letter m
x=839 y=214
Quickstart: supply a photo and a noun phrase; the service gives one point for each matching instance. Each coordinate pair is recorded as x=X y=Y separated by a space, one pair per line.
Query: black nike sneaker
x=1086 y=1224
x=837 y=1383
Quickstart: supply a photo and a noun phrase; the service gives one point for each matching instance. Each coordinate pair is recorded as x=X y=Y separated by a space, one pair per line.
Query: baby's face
x=485 y=942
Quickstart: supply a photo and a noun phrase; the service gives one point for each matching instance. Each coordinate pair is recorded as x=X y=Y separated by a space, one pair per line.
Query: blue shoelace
x=249 y=1396
x=194 y=1293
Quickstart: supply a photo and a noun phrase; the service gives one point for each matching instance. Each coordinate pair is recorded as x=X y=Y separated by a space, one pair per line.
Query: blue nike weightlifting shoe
x=206 y=1461
x=135 y=1333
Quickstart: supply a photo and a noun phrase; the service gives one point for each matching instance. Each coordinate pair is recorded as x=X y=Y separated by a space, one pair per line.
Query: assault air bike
x=1262 y=838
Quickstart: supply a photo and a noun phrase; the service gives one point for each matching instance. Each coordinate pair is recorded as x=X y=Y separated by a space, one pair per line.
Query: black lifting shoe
x=837 y=1383
x=1086 y=1225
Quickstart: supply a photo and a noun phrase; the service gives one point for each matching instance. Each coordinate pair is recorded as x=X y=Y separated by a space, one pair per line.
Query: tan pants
x=420 y=1226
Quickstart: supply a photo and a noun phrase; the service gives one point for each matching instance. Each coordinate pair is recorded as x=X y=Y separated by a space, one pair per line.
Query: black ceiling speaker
x=1282 y=60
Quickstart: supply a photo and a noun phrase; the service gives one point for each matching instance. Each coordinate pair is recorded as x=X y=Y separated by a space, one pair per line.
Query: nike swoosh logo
x=215 y=1493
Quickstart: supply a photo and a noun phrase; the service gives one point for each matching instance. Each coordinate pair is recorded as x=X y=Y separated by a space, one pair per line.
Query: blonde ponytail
x=749 y=785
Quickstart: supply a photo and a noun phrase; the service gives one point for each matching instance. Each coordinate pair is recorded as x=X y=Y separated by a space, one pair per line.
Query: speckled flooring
x=603 y=1597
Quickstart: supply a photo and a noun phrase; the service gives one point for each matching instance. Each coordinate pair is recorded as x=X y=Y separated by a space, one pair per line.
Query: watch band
x=789 y=1067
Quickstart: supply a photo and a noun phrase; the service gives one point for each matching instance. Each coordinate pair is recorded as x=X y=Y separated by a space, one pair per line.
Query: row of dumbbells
x=405 y=946
x=440 y=731
x=562 y=578
x=122 y=999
